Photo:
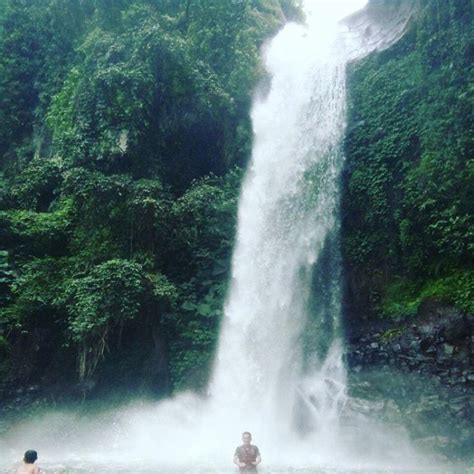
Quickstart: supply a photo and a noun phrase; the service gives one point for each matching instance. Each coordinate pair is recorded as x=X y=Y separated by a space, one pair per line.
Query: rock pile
x=439 y=344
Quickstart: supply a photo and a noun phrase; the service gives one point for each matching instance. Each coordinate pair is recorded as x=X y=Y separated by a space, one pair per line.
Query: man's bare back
x=25 y=468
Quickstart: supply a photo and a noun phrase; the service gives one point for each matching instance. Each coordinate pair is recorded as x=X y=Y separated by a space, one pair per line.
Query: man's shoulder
x=243 y=446
x=28 y=469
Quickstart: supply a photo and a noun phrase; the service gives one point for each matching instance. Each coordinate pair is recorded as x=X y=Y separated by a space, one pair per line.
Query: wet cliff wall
x=407 y=223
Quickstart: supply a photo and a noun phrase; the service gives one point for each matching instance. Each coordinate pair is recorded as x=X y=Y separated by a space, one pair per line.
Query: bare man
x=247 y=456
x=28 y=465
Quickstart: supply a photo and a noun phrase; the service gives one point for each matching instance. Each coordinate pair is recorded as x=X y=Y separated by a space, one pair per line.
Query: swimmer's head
x=30 y=456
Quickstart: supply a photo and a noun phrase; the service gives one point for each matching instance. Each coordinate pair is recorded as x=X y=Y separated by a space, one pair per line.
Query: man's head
x=246 y=437
x=30 y=456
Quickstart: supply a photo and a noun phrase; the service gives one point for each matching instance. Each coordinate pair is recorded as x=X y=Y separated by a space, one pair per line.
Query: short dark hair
x=247 y=432
x=30 y=456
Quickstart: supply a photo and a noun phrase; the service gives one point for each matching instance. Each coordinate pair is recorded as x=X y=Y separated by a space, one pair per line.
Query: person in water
x=28 y=465
x=247 y=456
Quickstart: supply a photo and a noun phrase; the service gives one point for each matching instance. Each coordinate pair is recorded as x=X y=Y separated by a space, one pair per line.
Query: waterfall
x=288 y=214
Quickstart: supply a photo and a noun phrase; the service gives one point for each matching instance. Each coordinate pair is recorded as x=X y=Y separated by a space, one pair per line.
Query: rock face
x=440 y=343
x=382 y=23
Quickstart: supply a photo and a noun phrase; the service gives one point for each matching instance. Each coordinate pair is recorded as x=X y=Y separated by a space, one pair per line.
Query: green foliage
x=391 y=334
x=408 y=187
x=4 y=360
x=7 y=275
x=196 y=329
x=162 y=289
x=203 y=231
x=116 y=216
x=35 y=49
x=100 y=106
x=36 y=233
x=3 y=346
x=39 y=287
x=19 y=63
x=403 y=298
x=120 y=125
x=110 y=294
x=35 y=186
x=152 y=96
x=204 y=221
x=106 y=297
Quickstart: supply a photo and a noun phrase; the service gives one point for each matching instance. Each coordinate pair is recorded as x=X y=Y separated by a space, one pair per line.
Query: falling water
x=278 y=369
x=288 y=213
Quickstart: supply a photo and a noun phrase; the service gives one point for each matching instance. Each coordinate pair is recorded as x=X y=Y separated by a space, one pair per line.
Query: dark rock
x=448 y=349
x=456 y=379
x=415 y=345
x=435 y=310
x=425 y=330
x=441 y=347
x=432 y=350
x=458 y=329
x=405 y=343
x=443 y=355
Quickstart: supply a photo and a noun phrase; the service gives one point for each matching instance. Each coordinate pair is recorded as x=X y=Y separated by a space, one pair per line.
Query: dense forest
x=124 y=129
